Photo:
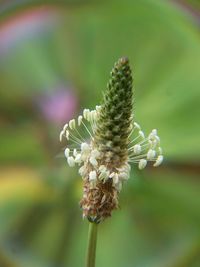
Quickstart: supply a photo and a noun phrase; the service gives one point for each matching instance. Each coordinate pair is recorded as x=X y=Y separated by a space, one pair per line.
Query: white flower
x=141 y=149
x=105 y=142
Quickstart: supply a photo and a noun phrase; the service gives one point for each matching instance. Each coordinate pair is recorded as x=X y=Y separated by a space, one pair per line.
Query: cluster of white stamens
x=82 y=151
x=146 y=149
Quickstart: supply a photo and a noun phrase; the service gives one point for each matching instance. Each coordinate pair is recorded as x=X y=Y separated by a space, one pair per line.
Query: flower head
x=104 y=142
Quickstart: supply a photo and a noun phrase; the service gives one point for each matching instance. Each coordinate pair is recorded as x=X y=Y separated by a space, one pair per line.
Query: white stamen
x=154 y=132
x=72 y=124
x=93 y=115
x=137 y=149
x=158 y=161
x=85 y=111
x=71 y=161
x=151 y=154
x=137 y=126
x=157 y=139
x=67 y=150
x=85 y=147
x=98 y=108
x=78 y=158
x=75 y=152
x=61 y=135
x=86 y=114
x=115 y=178
x=142 y=164
x=131 y=127
x=89 y=116
x=65 y=127
x=141 y=134
x=80 y=118
x=67 y=135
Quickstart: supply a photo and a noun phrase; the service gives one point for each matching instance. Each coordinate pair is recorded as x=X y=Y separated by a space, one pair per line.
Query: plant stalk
x=92 y=241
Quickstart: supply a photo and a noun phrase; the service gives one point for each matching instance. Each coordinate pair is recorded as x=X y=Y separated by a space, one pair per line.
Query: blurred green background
x=55 y=59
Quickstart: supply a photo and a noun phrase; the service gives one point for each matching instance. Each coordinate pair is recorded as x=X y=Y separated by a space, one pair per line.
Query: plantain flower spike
x=104 y=142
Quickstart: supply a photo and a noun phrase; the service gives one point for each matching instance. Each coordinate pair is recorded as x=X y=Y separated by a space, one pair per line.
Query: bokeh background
x=55 y=59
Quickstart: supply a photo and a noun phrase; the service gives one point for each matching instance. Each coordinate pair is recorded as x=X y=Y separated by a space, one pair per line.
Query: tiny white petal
x=158 y=161
x=151 y=154
x=137 y=149
x=142 y=164
x=67 y=150
x=137 y=126
x=92 y=175
x=71 y=161
x=93 y=161
x=80 y=118
x=72 y=124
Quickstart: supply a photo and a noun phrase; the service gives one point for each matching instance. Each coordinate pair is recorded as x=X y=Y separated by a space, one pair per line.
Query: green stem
x=92 y=241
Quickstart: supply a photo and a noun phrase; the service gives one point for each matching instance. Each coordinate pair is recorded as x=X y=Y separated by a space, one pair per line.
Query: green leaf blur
x=47 y=48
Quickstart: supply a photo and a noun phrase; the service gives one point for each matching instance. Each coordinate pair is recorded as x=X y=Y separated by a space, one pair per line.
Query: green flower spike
x=104 y=141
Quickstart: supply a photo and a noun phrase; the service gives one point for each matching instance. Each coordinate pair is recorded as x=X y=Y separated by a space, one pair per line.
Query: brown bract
x=98 y=203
